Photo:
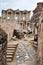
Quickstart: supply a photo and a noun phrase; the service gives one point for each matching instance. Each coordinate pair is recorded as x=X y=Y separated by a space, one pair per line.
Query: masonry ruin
x=14 y=19
x=38 y=20
x=20 y=20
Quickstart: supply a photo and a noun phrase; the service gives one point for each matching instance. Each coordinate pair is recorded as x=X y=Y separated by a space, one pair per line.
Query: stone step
x=10 y=53
x=11 y=45
x=9 y=56
x=10 y=48
x=9 y=60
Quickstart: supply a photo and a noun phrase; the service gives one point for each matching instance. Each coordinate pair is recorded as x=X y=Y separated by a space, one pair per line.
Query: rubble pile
x=25 y=54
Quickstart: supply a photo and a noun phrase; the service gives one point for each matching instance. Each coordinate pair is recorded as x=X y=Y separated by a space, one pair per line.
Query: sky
x=18 y=4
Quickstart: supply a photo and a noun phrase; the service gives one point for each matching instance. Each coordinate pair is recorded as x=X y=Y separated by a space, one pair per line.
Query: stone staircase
x=11 y=49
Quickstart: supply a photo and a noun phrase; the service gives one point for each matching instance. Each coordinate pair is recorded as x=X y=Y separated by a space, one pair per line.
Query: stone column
x=40 y=43
x=22 y=26
x=26 y=25
x=20 y=16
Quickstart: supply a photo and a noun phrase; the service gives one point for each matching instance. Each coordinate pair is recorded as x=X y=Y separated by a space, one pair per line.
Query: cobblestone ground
x=25 y=54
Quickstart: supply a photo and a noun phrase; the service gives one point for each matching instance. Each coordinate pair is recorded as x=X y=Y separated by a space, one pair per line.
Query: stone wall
x=38 y=18
x=11 y=19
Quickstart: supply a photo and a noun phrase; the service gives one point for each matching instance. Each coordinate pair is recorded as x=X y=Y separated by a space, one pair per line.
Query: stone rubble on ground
x=25 y=54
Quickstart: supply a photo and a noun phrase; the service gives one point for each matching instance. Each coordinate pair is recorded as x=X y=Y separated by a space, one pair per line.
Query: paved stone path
x=25 y=54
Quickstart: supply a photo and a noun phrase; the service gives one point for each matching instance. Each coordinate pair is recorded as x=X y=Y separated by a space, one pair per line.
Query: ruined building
x=14 y=19
x=37 y=21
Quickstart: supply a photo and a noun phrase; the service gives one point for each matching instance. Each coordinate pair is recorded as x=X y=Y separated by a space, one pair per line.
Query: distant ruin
x=14 y=19
x=20 y=20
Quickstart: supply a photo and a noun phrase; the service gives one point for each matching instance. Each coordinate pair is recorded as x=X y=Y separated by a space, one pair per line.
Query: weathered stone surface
x=25 y=54
x=14 y=19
